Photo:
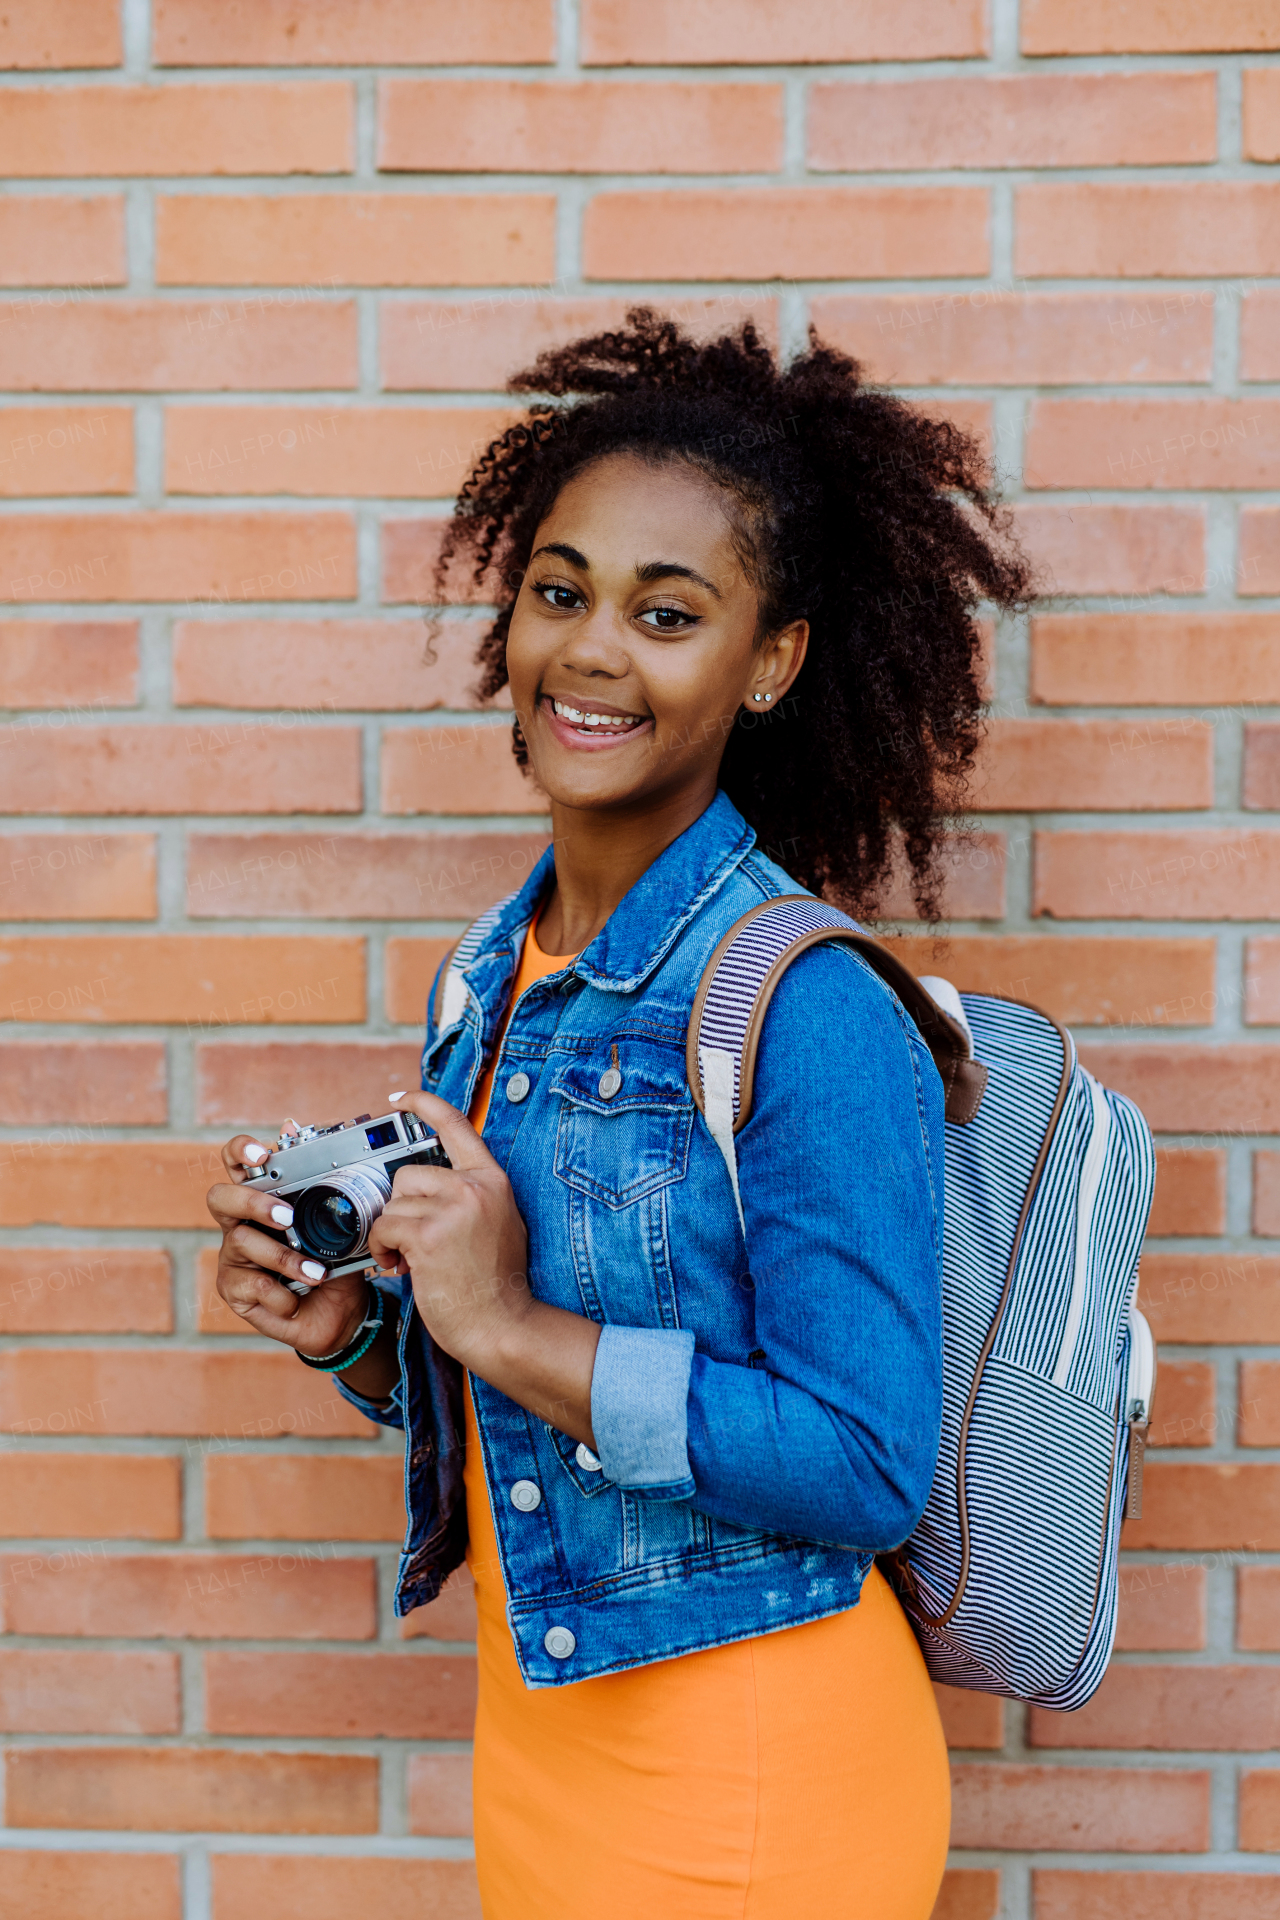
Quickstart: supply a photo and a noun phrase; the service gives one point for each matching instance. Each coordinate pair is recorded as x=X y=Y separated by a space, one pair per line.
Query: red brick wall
x=264 y=269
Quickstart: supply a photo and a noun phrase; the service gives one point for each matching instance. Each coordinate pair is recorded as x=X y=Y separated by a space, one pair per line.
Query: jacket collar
x=648 y=920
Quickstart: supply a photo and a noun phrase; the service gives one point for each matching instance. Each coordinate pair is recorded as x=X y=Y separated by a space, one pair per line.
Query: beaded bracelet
x=343 y=1357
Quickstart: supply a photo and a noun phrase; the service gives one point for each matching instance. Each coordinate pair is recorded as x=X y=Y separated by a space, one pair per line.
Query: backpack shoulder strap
x=450 y=1001
x=739 y=981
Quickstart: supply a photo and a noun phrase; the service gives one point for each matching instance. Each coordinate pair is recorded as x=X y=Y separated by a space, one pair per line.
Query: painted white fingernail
x=283 y=1216
x=254 y=1154
x=313 y=1269
x=396 y=1096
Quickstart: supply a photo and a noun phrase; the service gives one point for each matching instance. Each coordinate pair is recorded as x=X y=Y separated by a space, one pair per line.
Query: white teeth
x=612 y=722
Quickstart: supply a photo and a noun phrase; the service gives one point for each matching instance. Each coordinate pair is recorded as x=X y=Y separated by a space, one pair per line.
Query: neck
x=599 y=858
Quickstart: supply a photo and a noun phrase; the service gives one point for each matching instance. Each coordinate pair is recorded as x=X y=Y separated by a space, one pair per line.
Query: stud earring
x=757 y=696
x=768 y=697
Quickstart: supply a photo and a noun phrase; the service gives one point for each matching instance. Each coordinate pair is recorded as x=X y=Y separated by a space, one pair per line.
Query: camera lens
x=332 y=1219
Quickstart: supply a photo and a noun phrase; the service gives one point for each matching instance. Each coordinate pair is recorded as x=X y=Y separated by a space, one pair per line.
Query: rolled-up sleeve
x=640 y=1409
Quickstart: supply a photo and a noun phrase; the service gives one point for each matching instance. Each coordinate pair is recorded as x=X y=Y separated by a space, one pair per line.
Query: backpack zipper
x=1139 y=1386
x=1086 y=1205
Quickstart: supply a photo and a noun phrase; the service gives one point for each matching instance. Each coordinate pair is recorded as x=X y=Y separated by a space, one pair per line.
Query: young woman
x=736 y=618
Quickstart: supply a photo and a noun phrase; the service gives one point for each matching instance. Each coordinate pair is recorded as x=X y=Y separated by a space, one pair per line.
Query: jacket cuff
x=390 y=1416
x=640 y=1410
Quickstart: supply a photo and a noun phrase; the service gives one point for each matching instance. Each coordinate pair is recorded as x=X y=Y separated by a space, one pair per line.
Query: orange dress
x=801 y=1775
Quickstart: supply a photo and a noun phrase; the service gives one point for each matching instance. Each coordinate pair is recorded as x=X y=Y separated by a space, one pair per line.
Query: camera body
x=338 y=1180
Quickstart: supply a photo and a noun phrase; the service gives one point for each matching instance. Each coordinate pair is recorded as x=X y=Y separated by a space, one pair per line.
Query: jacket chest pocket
x=619 y=1139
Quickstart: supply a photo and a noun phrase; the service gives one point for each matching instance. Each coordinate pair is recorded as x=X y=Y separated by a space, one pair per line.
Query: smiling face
x=633 y=641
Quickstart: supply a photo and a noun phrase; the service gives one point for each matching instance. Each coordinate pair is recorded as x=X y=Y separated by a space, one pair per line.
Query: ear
x=776 y=665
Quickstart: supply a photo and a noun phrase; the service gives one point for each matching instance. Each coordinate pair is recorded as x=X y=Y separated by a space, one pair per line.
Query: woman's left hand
x=458 y=1231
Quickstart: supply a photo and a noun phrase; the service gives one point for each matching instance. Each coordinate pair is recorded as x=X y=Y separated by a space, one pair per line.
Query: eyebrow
x=649 y=570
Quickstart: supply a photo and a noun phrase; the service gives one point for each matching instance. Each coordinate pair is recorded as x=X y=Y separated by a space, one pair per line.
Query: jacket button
x=526 y=1495
x=517 y=1087
x=610 y=1081
x=586 y=1459
x=559 y=1642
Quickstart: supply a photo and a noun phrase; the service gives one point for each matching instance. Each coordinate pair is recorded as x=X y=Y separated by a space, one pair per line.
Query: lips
x=591 y=725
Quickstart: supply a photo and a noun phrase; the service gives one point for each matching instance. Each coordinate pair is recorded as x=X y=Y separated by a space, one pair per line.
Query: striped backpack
x=1011 y=1577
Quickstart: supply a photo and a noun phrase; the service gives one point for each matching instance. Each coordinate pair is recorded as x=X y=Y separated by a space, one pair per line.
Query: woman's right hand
x=252 y=1267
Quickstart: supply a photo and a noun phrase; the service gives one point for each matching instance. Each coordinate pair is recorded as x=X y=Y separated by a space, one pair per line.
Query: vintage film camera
x=338 y=1180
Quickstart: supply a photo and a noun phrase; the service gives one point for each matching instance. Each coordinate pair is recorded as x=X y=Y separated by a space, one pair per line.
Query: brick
x=333 y=1887
x=85 y=1290
x=217 y=557
x=117 y=1183
x=355 y=239
x=1262 y=982
x=1261 y=114
x=448 y=770
x=1259 y=1424
x=435 y=876
x=232 y=767
x=1223 y=873
x=627 y=32
x=1080 y=765
x=89 y=1496
x=1200 y=1709
x=1259 y=550
x=284 y=127
x=1260 y=1811
x=1155 y=659
x=198 y=1596
x=1148 y=26
x=1162 y=1609
x=968 y=1893
x=190 y=1789
x=801 y=233
x=1191 y=1191
x=1080 y=982
x=450 y=1616
x=95 y=661
x=1114 y=549
x=973 y=870
x=49 y=240
x=1014 y=120
x=409 y=552
x=1212 y=1298
x=475 y=345
x=1154 y=1896
x=365 y=1696
x=255 y=1395
x=1261 y=782
x=298 y=339
x=1184 y=1413
x=60 y=33
x=241 y=1085
x=84 y=876
x=391 y=452
x=1258 y=1609
x=1195 y=1089
x=1153 y=443
x=1266 y=1193
x=1232 y=1507
x=439 y=1793
x=60 y=450
x=51 y=1690
x=595 y=126
x=303 y=1496
x=411 y=967
x=1080 y=1809
x=113 y=1083
x=1155 y=230
x=201 y=33
x=44 y=1885
x=993 y=338
x=1260 y=334
x=206 y=980
x=970 y=1720
x=328 y=666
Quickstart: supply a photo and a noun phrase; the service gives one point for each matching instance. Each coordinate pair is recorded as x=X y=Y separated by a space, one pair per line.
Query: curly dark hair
x=850 y=509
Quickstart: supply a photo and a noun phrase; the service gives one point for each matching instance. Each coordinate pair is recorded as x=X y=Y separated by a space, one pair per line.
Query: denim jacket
x=766 y=1413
